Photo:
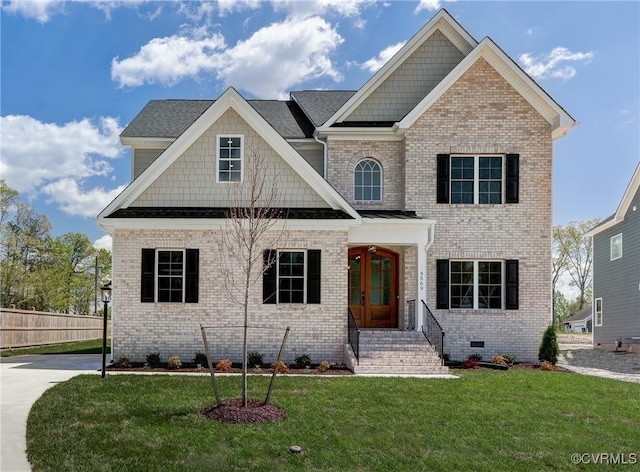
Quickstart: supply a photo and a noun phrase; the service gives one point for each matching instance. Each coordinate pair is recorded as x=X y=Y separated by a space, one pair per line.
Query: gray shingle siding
x=142 y=158
x=617 y=282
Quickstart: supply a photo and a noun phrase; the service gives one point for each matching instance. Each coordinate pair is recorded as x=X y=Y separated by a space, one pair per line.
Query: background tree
x=574 y=248
x=558 y=267
x=250 y=229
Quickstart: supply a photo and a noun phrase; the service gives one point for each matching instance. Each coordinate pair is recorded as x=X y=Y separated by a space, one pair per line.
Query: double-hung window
x=598 y=312
x=169 y=275
x=477 y=284
x=478 y=180
x=230 y=153
x=616 y=247
x=291 y=276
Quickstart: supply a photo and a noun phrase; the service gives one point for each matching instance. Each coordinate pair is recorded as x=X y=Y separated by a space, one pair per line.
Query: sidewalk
x=23 y=379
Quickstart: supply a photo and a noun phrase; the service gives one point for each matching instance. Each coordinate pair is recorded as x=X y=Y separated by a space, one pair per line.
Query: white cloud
x=266 y=64
x=554 y=64
x=39 y=10
x=375 y=63
x=430 y=5
x=168 y=60
x=74 y=200
x=34 y=152
x=230 y=6
x=347 y=8
x=105 y=242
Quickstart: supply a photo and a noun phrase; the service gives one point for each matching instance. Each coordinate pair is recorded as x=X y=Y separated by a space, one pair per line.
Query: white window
x=368 y=181
x=291 y=277
x=476 y=284
x=616 y=246
x=477 y=179
x=598 y=312
x=170 y=273
x=230 y=156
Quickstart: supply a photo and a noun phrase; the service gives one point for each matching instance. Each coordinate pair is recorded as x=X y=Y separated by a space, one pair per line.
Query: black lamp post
x=106 y=298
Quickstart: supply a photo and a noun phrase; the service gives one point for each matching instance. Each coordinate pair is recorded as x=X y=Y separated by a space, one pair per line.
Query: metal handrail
x=432 y=331
x=354 y=335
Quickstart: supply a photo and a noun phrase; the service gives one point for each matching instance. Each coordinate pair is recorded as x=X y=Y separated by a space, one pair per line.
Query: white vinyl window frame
x=229 y=159
x=476 y=178
x=616 y=247
x=158 y=276
x=362 y=186
x=291 y=277
x=597 y=312
x=477 y=284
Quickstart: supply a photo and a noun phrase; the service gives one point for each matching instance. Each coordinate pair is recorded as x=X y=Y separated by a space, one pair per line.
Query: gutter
x=325 y=164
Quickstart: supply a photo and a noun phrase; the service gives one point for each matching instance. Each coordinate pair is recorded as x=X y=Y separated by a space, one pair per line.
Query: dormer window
x=368 y=181
x=229 y=159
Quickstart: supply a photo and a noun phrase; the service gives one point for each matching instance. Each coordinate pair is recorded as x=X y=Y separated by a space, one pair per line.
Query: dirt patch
x=232 y=411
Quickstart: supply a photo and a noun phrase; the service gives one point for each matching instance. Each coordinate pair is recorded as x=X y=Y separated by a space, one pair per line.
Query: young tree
x=251 y=227
x=549 y=349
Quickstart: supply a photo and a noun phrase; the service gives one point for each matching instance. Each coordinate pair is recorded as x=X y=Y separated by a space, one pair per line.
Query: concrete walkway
x=23 y=379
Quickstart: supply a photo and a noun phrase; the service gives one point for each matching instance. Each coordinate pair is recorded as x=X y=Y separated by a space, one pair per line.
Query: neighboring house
x=581 y=322
x=616 y=274
x=428 y=187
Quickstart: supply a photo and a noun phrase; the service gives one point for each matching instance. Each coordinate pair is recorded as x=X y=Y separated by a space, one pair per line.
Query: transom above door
x=373 y=286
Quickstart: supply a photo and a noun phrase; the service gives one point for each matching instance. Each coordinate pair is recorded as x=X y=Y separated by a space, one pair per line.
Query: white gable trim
x=561 y=122
x=442 y=22
x=229 y=99
x=625 y=203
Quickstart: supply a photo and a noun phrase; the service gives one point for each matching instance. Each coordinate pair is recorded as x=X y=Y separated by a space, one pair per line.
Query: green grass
x=93 y=346
x=487 y=420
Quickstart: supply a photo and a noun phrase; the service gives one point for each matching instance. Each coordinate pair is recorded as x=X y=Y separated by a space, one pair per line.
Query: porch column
x=422 y=283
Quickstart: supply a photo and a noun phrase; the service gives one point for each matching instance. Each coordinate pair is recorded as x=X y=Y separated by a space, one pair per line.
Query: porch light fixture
x=373 y=249
x=106 y=299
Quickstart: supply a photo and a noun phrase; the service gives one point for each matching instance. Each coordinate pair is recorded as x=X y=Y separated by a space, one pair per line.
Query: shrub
x=500 y=360
x=546 y=365
x=223 y=365
x=324 y=366
x=511 y=358
x=174 y=362
x=255 y=359
x=549 y=346
x=153 y=359
x=303 y=360
x=446 y=357
x=124 y=362
x=475 y=356
x=200 y=359
x=283 y=368
x=471 y=363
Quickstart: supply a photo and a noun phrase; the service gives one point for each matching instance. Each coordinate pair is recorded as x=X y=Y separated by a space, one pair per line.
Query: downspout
x=325 y=165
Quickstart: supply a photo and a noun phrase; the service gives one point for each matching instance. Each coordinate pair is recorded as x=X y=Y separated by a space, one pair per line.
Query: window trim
x=242 y=160
x=476 y=284
x=355 y=168
x=597 y=314
x=476 y=177
x=158 y=276
x=615 y=241
x=304 y=277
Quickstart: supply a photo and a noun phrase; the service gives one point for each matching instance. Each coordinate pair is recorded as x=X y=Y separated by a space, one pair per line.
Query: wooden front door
x=373 y=287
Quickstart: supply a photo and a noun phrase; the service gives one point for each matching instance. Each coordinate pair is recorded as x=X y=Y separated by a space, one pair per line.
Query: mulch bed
x=191 y=368
x=232 y=411
x=489 y=366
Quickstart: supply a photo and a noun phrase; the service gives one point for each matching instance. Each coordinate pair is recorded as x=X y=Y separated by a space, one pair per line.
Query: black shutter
x=192 y=269
x=513 y=179
x=442 y=283
x=313 y=276
x=269 y=281
x=512 y=285
x=443 y=178
x=148 y=269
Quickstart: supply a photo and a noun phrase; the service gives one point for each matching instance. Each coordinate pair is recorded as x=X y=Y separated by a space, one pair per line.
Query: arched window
x=368 y=181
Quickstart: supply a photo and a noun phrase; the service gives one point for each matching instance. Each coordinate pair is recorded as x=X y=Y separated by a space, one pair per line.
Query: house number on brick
x=421 y=280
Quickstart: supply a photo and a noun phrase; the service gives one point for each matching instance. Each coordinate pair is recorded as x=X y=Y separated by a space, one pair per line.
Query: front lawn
x=486 y=420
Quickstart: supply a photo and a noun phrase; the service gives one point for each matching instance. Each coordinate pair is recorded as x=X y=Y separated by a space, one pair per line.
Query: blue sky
x=74 y=74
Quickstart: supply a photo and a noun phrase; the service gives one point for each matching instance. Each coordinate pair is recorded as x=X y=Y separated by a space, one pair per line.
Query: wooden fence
x=20 y=328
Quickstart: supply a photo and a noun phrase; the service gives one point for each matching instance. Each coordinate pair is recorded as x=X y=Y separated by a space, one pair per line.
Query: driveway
x=23 y=379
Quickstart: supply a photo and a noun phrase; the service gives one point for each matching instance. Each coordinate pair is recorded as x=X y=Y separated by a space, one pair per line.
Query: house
x=581 y=322
x=616 y=274
x=420 y=202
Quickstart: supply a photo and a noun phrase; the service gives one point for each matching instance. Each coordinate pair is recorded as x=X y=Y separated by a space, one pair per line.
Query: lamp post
x=106 y=298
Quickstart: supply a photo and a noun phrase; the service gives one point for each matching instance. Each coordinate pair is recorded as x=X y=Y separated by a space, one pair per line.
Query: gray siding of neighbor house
x=618 y=282
x=142 y=158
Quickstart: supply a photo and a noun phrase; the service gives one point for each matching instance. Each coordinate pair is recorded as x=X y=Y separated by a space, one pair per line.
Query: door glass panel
x=375 y=296
x=354 y=280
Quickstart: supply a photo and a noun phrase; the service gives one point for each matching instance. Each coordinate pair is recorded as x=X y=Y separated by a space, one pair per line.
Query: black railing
x=354 y=336
x=432 y=331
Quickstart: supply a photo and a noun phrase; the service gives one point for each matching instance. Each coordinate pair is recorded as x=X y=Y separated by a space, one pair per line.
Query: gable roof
x=625 y=203
x=561 y=122
x=441 y=21
x=229 y=99
x=320 y=105
x=582 y=315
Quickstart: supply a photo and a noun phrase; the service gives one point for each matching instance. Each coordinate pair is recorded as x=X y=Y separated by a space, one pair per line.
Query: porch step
x=395 y=352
